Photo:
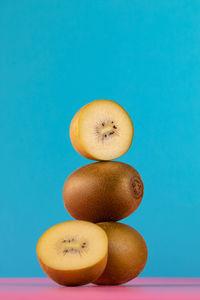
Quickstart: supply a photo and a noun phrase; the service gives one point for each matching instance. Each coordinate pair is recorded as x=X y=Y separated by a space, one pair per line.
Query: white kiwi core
x=72 y=245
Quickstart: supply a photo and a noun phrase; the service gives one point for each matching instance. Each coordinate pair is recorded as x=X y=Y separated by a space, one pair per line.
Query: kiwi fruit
x=127 y=254
x=101 y=130
x=73 y=252
x=103 y=191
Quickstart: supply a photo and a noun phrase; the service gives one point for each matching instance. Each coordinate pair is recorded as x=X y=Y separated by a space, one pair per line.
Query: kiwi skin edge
x=103 y=191
x=75 y=277
x=127 y=254
x=75 y=136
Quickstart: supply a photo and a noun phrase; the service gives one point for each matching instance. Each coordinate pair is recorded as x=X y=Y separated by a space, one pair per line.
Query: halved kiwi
x=103 y=191
x=127 y=254
x=73 y=252
x=101 y=130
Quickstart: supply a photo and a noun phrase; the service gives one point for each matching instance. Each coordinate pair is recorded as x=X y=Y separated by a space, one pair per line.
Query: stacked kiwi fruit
x=95 y=248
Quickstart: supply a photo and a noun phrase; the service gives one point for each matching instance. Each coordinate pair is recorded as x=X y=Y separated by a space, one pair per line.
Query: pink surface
x=138 y=289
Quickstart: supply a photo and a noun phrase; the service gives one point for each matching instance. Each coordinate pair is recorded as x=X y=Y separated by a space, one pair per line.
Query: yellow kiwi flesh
x=101 y=130
x=103 y=191
x=127 y=254
x=73 y=252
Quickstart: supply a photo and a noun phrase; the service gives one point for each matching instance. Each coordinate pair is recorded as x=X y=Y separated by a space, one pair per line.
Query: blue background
x=56 y=56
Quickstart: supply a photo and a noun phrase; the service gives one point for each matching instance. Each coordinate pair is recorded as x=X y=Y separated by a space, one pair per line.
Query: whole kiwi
x=103 y=191
x=127 y=254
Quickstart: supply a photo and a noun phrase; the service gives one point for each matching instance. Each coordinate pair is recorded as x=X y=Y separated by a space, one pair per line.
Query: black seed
x=82 y=246
x=63 y=241
x=112 y=122
x=84 y=243
x=105 y=135
x=69 y=241
x=114 y=127
x=103 y=124
x=112 y=132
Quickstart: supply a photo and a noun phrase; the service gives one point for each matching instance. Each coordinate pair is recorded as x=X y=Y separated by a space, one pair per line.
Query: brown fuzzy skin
x=127 y=254
x=75 y=277
x=103 y=191
x=74 y=131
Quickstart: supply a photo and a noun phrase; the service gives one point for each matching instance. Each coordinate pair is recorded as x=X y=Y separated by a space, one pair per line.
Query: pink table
x=138 y=289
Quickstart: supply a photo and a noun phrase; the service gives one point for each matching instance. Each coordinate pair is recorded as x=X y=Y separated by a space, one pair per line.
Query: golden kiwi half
x=73 y=252
x=101 y=130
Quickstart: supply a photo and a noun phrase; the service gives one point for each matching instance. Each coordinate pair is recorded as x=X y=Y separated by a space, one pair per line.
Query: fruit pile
x=94 y=247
